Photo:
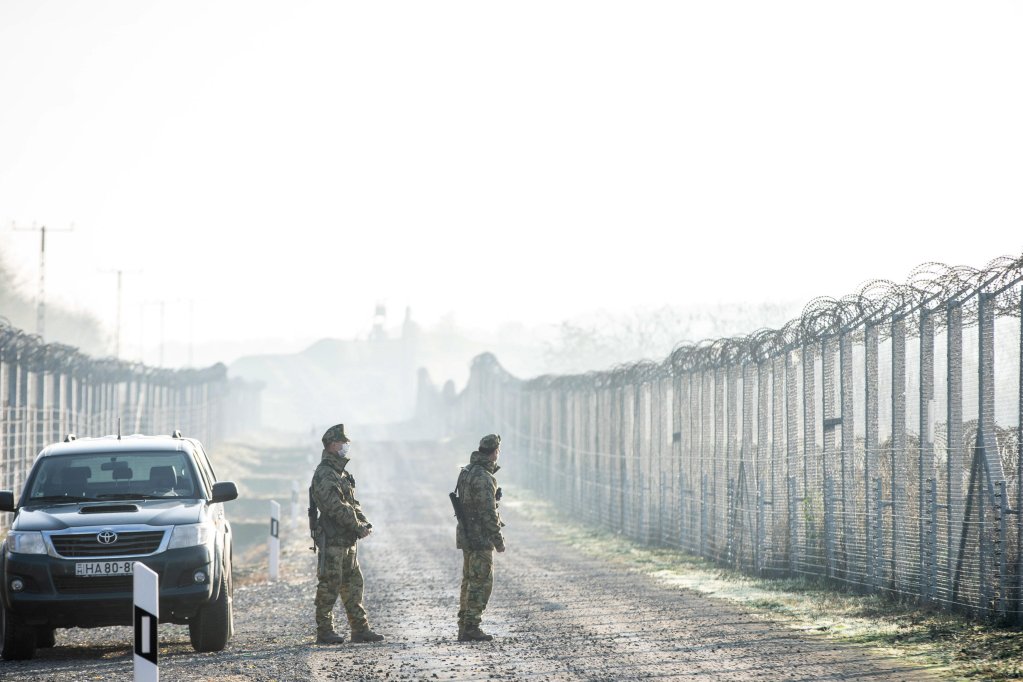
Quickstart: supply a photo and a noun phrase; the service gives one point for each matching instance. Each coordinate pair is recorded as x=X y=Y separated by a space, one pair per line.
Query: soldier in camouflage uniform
x=341 y=525
x=479 y=536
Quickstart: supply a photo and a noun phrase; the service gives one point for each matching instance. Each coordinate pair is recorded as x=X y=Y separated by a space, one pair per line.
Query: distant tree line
x=78 y=329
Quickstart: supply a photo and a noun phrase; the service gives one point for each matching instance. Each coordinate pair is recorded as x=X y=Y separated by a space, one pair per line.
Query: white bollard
x=146 y=588
x=294 y=505
x=275 y=543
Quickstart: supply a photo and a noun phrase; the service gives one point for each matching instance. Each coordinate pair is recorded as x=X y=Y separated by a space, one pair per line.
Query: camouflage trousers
x=477 y=584
x=339 y=574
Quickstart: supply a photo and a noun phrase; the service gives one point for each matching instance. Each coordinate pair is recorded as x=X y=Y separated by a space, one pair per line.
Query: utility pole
x=163 y=329
x=41 y=298
x=162 y=303
x=117 y=342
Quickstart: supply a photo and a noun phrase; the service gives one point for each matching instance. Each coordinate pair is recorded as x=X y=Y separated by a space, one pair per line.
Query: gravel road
x=557 y=614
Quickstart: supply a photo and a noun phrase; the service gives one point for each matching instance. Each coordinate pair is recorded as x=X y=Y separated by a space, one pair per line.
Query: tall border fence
x=873 y=442
x=49 y=390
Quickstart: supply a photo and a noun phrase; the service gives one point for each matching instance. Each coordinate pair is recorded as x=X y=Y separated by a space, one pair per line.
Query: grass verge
x=953 y=646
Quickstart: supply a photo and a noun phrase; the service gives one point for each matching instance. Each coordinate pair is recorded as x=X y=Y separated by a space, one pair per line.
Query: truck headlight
x=191 y=535
x=26 y=542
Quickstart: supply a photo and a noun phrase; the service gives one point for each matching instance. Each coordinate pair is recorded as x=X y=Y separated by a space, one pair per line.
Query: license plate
x=91 y=569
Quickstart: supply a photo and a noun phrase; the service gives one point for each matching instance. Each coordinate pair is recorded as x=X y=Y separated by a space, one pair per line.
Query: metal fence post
x=932 y=543
x=829 y=524
x=761 y=533
x=1019 y=473
x=1003 y=513
x=925 y=463
x=878 y=534
x=792 y=525
x=730 y=551
x=898 y=450
x=954 y=440
x=703 y=516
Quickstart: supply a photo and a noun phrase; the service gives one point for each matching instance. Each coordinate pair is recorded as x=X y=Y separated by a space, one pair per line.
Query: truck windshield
x=99 y=475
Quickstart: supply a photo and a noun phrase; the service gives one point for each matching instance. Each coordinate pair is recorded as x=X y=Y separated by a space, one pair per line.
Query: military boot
x=472 y=633
x=328 y=637
x=366 y=635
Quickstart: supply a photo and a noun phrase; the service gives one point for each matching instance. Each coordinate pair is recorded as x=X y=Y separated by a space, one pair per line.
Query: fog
x=567 y=185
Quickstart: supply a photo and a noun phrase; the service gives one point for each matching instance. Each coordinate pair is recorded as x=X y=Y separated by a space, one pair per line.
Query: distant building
x=369 y=381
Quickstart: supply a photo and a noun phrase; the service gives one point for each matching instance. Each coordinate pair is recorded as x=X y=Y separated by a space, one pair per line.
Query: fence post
x=730 y=553
x=761 y=533
x=792 y=525
x=829 y=523
x=954 y=439
x=685 y=537
x=1019 y=473
x=932 y=542
x=662 y=495
x=1003 y=512
x=703 y=516
x=878 y=533
x=898 y=451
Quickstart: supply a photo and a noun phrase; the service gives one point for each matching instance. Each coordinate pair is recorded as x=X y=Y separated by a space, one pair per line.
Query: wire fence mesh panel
x=51 y=390
x=874 y=442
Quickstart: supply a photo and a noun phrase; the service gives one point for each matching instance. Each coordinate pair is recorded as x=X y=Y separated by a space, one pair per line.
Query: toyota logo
x=106 y=537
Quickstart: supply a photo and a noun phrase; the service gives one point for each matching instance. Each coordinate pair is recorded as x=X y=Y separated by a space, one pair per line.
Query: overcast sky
x=285 y=166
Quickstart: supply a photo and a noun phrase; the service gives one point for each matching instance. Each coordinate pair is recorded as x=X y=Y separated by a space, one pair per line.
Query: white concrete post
x=146 y=586
x=294 y=505
x=275 y=543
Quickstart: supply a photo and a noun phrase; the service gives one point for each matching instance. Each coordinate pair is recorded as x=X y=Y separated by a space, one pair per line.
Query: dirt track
x=557 y=614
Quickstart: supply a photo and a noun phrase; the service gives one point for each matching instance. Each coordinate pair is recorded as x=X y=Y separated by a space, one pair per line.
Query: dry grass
x=961 y=648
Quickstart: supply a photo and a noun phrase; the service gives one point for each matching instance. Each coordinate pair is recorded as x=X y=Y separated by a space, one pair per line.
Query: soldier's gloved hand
x=500 y=547
x=364 y=531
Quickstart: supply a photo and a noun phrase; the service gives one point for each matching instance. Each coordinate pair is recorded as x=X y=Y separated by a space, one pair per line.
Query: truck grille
x=130 y=543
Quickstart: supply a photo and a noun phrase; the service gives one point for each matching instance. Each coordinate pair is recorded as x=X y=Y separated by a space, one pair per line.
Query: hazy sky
x=286 y=165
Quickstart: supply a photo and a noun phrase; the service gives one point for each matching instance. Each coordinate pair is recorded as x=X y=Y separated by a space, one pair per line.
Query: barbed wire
x=931 y=288
x=29 y=350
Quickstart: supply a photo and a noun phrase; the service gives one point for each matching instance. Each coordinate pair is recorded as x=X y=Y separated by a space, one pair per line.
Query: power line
x=41 y=298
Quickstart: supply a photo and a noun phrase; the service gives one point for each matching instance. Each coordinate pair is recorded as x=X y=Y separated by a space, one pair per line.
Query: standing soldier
x=341 y=524
x=478 y=535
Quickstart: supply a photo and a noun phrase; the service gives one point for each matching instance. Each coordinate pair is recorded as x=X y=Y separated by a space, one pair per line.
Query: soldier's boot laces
x=366 y=636
x=329 y=637
x=474 y=634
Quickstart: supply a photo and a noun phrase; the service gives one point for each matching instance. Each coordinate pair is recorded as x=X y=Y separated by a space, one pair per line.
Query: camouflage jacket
x=333 y=489
x=477 y=490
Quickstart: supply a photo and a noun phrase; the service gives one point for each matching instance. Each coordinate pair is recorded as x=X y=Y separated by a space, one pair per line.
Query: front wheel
x=212 y=626
x=19 y=640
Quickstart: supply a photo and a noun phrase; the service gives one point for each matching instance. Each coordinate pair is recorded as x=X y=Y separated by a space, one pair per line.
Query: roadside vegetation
x=949 y=644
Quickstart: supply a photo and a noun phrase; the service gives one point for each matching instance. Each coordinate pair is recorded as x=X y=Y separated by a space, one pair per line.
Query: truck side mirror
x=7 y=501
x=224 y=491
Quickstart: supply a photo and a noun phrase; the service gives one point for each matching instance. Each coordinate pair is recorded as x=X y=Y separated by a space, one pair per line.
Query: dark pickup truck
x=92 y=507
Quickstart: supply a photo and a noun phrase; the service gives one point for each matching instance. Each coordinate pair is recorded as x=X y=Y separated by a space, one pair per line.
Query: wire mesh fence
x=50 y=390
x=873 y=442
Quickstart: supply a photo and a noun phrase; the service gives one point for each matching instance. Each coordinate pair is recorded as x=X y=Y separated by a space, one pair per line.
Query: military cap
x=490 y=442
x=334 y=434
